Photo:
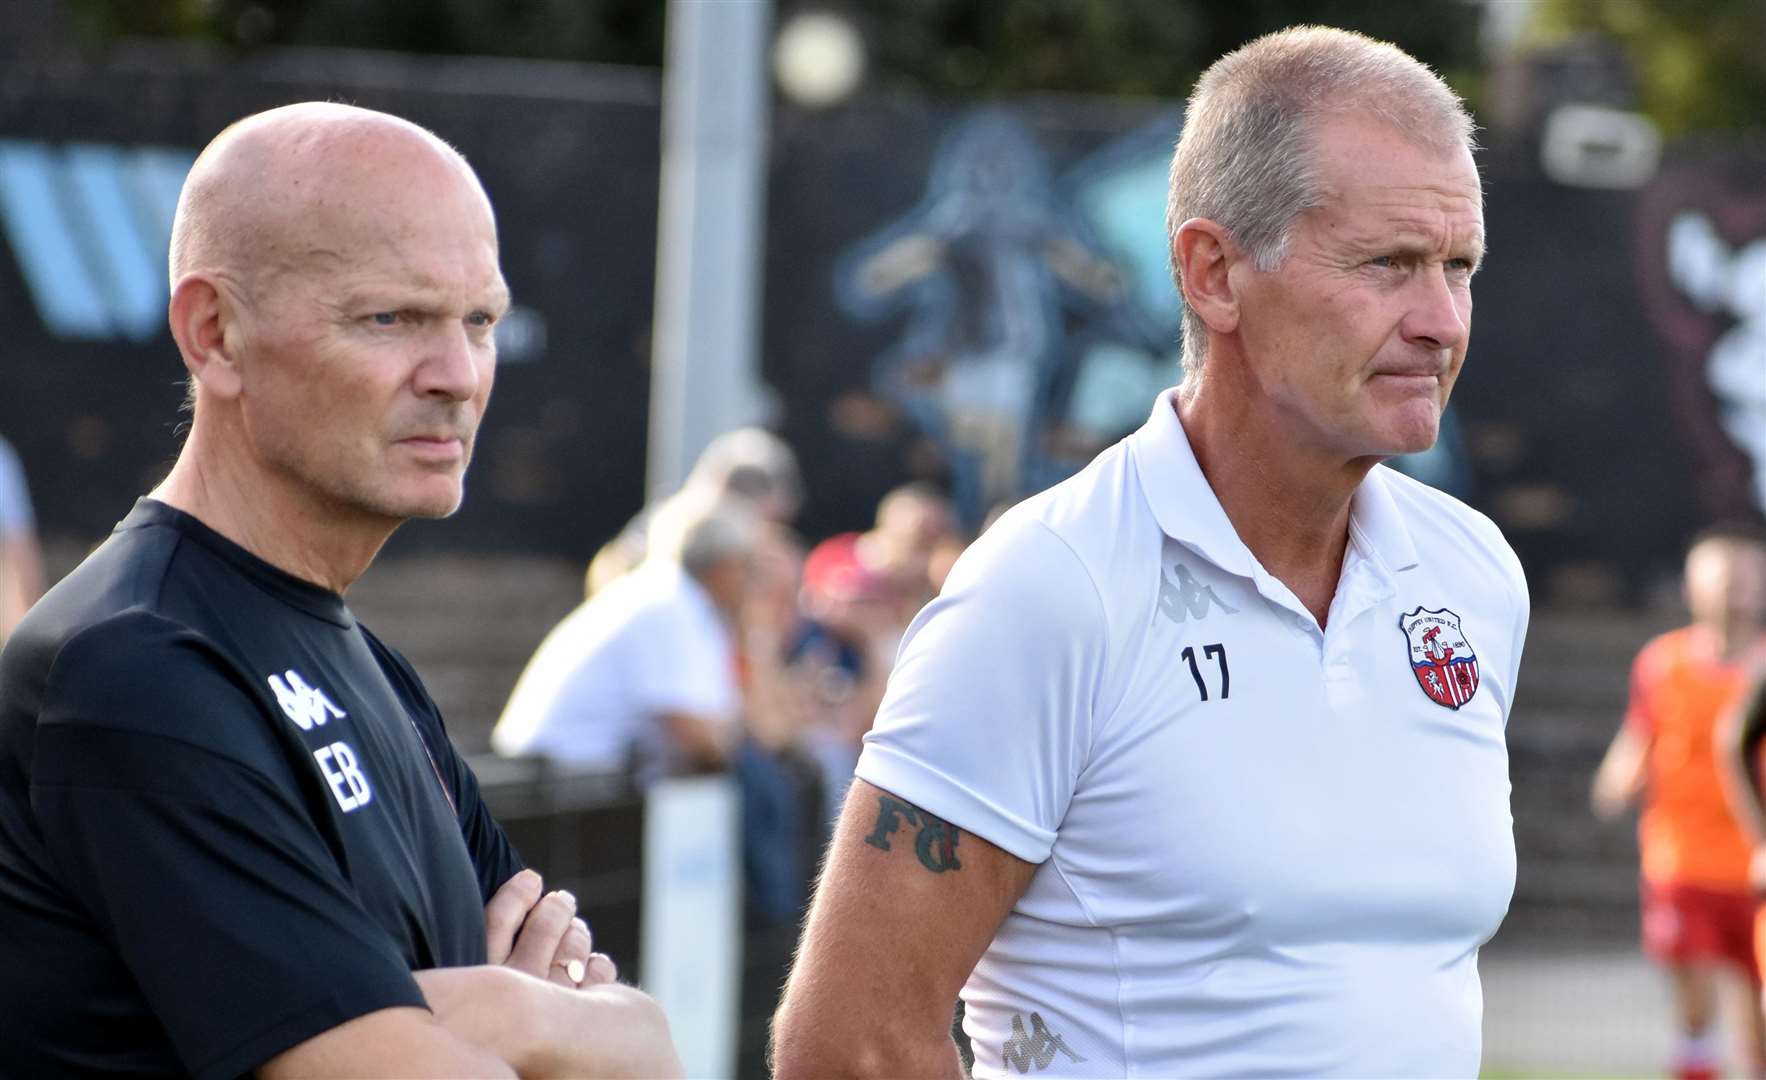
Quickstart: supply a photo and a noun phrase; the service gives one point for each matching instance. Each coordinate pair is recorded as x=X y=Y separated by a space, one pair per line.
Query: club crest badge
x=1440 y=656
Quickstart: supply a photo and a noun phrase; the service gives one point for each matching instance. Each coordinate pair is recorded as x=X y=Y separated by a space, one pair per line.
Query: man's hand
x=541 y=935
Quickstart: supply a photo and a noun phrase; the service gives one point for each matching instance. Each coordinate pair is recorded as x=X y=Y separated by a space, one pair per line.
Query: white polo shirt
x=595 y=690
x=1265 y=849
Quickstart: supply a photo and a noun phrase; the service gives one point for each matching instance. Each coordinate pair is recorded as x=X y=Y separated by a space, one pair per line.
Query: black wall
x=1580 y=422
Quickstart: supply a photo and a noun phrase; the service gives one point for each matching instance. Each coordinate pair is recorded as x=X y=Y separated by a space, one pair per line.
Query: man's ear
x=204 y=319
x=1205 y=253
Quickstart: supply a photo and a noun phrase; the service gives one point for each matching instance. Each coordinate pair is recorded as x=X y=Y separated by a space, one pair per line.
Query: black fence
x=585 y=832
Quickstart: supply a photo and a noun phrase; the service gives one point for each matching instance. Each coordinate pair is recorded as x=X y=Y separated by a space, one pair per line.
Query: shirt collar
x=1376 y=526
x=1188 y=511
x=1183 y=504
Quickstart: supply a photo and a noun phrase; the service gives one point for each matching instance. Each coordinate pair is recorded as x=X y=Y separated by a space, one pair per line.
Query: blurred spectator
x=21 y=561
x=775 y=702
x=643 y=674
x=755 y=464
x=748 y=463
x=853 y=621
x=780 y=784
x=912 y=521
x=1698 y=912
x=945 y=554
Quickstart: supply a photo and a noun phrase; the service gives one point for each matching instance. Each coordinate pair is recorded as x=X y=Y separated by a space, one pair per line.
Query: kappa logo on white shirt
x=1034 y=1048
x=306 y=705
x=1181 y=595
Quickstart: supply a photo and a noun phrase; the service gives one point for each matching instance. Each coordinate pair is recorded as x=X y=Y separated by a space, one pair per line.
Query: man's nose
x=451 y=367
x=1440 y=315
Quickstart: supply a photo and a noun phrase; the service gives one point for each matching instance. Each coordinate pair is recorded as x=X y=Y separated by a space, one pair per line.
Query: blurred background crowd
x=805 y=291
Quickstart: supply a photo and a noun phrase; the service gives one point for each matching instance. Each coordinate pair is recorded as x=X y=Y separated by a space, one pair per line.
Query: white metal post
x=704 y=376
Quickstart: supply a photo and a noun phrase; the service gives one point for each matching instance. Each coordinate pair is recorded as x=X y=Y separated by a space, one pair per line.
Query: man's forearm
x=544 y=1030
x=810 y=1043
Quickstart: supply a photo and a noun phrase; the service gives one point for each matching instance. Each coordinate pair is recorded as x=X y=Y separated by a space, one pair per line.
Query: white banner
x=690 y=945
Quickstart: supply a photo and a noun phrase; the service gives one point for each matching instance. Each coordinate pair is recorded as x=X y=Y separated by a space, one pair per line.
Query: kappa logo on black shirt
x=308 y=707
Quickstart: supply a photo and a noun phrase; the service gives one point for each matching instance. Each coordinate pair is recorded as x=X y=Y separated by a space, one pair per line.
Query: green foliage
x=608 y=31
x=1138 y=47
x=1702 y=65
x=102 y=20
x=1141 y=47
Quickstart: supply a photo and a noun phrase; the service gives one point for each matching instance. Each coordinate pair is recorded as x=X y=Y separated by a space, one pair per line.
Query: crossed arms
x=521 y=1014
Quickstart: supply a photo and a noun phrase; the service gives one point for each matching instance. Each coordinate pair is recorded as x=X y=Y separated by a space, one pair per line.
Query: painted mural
x=1035 y=314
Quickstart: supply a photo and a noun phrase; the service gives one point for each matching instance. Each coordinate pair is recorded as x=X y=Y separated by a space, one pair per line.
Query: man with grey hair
x=1196 y=766
x=641 y=675
x=234 y=835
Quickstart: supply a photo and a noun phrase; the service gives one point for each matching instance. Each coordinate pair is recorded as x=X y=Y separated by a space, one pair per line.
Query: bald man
x=234 y=837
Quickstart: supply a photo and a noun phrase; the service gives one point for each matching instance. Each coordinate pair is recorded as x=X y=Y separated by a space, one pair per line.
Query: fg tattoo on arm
x=935 y=843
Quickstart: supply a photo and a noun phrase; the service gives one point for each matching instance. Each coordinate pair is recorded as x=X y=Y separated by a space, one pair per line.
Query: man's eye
x=480 y=319
x=1384 y=262
x=385 y=318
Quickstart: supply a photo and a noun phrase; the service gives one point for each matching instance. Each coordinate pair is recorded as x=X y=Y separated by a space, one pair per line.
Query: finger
x=588 y=935
x=506 y=910
x=570 y=964
x=599 y=969
x=541 y=933
x=569 y=973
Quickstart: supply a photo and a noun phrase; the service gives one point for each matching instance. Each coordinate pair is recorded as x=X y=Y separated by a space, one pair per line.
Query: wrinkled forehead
x=1359 y=157
x=434 y=227
x=392 y=191
x=1395 y=192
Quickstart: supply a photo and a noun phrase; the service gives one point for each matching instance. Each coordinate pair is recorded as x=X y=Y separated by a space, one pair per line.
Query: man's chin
x=426 y=505
x=441 y=508
x=1419 y=445
x=1414 y=432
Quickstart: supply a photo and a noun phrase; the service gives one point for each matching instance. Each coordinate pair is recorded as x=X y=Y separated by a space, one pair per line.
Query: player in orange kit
x=1698 y=908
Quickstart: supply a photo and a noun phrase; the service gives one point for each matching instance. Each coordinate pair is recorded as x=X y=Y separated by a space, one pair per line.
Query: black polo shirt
x=230 y=818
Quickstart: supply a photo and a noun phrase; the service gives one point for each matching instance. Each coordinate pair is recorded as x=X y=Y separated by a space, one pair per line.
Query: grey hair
x=697 y=529
x=1246 y=158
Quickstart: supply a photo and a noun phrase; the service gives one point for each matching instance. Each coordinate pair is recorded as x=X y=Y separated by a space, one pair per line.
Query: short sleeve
x=990 y=712
x=494 y=858
x=175 y=819
x=1523 y=618
x=1638 y=717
